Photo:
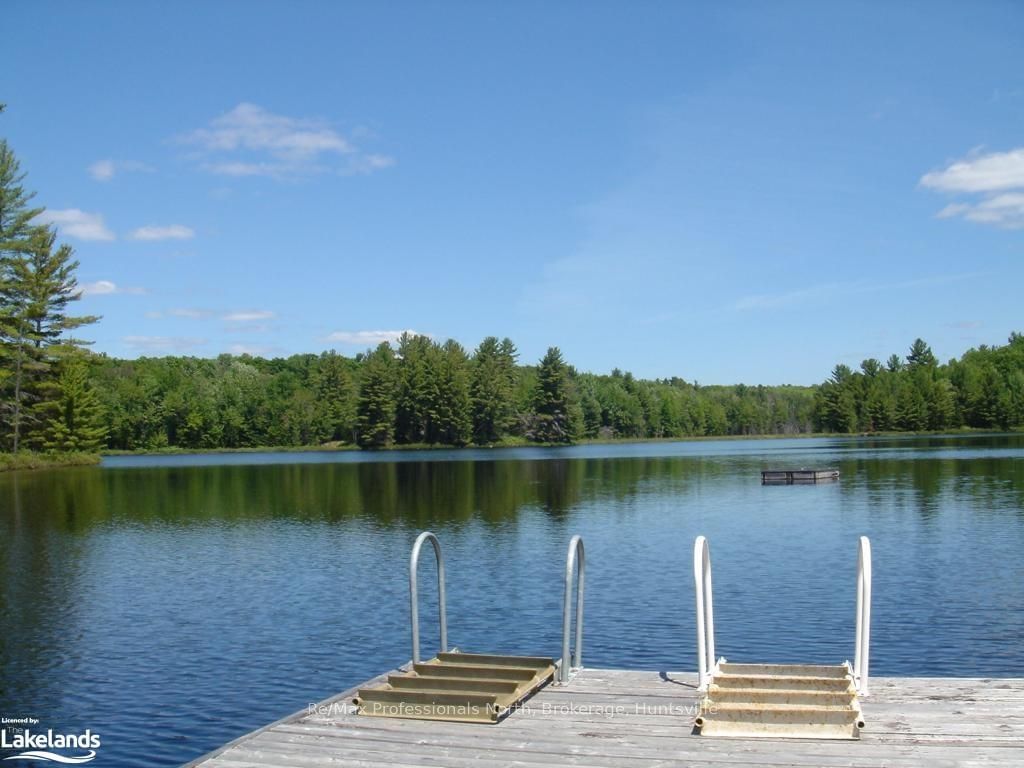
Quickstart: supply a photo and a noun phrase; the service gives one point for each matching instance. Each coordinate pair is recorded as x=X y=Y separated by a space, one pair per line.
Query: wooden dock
x=606 y=718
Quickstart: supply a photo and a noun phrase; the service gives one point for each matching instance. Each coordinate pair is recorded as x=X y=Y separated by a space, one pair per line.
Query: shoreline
x=27 y=461
x=522 y=443
x=23 y=460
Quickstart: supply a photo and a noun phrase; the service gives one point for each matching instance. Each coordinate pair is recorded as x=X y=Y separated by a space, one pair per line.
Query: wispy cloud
x=162 y=344
x=827 y=292
x=252 y=141
x=108 y=287
x=167 y=232
x=102 y=170
x=997 y=178
x=248 y=316
x=73 y=222
x=190 y=312
x=256 y=350
x=106 y=169
x=369 y=338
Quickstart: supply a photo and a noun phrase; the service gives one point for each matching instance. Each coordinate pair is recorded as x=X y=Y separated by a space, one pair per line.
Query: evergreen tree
x=337 y=397
x=492 y=388
x=46 y=276
x=79 y=422
x=920 y=355
x=553 y=416
x=376 y=406
x=37 y=282
x=418 y=393
x=453 y=424
x=17 y=234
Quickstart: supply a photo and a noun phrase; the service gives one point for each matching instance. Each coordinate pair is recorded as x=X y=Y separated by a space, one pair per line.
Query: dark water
x=171 y=604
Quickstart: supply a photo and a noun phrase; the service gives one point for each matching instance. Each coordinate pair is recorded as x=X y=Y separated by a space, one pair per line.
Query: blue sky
x=723 y=192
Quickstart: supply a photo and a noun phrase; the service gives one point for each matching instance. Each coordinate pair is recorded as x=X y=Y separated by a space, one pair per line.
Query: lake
x=172 y=603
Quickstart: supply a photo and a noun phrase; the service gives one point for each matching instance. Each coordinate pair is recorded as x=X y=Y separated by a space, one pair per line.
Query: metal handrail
x=705 y=612
x=576 y=660
x=414 y=560
x=860 y=663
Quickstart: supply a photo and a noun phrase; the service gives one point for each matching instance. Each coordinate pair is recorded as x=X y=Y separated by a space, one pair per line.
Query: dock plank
x=609 y=718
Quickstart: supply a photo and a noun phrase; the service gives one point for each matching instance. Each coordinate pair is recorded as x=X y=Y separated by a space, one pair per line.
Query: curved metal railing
x=860 y=663
x=575 y=661
x=705 y=612
x=414 y=560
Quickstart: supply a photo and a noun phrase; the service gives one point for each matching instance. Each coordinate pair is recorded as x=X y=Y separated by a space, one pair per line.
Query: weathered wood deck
x=608 y=718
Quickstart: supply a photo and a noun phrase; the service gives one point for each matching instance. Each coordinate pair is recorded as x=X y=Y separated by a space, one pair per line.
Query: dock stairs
x=809 y=701
x=472 y=687
x=782 y=700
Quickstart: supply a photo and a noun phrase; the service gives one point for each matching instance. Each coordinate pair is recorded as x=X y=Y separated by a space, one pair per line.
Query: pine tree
x=454 y=421
x=553 y=415
x=417 y=398
x=79 y=424
x=920 y=355
x=37 y=282
x=337 y=397
x=16 y=236
x=376 y=406
x=492 y=389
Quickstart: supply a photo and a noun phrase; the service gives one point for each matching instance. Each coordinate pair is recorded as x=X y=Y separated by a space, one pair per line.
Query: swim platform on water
x=542 y=712
x=800 y=476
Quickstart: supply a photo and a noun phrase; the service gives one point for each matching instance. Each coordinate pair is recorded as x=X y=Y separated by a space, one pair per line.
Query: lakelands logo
x=75 y=748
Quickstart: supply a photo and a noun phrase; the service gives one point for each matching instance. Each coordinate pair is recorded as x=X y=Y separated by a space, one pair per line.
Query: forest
x=58 y=397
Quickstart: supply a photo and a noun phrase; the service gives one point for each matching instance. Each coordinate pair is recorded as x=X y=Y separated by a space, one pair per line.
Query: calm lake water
x=171 y=604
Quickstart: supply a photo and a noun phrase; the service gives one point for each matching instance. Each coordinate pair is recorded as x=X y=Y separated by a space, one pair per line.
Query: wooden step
x=811 y=701
x=462 y=687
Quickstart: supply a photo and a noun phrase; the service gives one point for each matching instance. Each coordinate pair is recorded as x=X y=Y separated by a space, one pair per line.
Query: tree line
x=983 y=389
x=416 y=392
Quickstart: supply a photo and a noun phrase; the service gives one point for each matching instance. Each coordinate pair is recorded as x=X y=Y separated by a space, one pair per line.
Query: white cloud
x=248 y=317
x=980 y=173
x=102 y=170
x=998 y=177
x=826 y=292
x=369 y=338
x=192 y=314
x=162 y=344
x=98 y=288
x=1005 y=210
x=256 y=350
x=106 y=169
x=251 y=141
x=168 y=232
x=73 y=222
x=108 y=287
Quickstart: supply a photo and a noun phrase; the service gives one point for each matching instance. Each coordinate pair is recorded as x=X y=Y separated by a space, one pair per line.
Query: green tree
x=552 y=411
x=920 y=355
x=17 y=235
x=492 y=389
x=376 y=406
x=37 y=282
x=417 y=393
x=337 y=397
x=453 y=424
x=79 y=423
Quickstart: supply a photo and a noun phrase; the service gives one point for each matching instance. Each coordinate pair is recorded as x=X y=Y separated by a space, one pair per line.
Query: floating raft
x=796 y=701
x=457 y=687
x=798 y=476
